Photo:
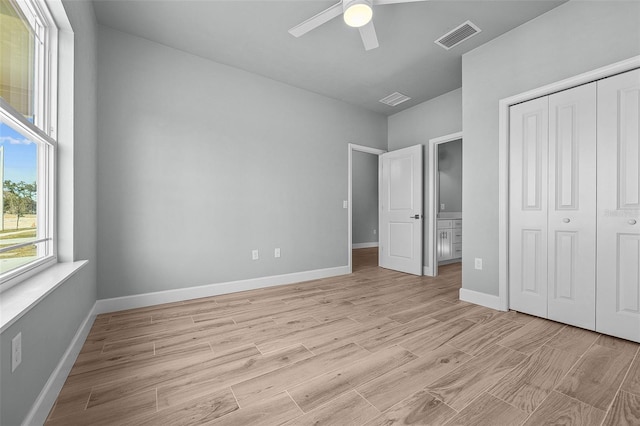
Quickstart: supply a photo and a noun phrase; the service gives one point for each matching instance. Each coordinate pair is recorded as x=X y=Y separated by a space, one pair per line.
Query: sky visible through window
x=18 y=222
x=20 y=156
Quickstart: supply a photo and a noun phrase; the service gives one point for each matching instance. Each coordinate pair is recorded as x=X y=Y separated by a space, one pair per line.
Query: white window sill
x=19 y=299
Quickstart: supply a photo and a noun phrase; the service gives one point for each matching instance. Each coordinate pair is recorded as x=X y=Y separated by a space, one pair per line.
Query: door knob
x=632 y=221
x=566 y=220
x=415 y=217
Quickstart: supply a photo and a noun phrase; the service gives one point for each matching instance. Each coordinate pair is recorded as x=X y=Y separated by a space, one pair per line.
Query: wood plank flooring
x=374 y=348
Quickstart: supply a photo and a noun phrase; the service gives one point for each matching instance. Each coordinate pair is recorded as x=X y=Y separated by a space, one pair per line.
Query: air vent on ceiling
x=458 y=35
x=394 y=99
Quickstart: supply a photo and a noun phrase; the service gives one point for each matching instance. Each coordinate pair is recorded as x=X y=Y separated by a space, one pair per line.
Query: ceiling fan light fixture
x=357 y=13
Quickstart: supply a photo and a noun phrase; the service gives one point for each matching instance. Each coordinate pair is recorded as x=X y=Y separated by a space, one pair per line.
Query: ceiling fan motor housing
x=357 y=13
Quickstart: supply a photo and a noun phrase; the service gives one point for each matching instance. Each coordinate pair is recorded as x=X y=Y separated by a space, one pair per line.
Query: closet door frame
x=503 y=158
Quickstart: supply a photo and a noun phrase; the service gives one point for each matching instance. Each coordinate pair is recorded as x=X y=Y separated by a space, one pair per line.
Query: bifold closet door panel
x=572 y=207
x=618 y=290
x=528 y=182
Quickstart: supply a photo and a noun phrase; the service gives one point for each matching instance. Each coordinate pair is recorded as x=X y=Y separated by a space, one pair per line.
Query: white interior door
x=618 y=307
x=401 y=210
x=528 y=180
x=572 y=207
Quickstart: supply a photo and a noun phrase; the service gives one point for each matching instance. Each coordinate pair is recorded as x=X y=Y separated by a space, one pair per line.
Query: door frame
x=502 y=301
x=432 y=269
x=360 y=148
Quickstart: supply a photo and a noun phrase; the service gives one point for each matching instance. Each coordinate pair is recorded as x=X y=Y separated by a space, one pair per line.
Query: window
x=28 y=89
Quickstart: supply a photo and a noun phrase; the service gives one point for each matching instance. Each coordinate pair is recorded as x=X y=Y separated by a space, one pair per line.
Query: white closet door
x=618 y=307
x=528 y=180
x=572 y=207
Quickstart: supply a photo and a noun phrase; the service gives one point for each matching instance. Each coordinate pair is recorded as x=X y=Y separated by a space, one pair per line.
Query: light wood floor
x=376 y=348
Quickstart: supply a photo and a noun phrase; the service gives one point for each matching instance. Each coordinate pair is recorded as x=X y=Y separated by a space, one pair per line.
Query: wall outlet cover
x=478 y=263
x=255 y=255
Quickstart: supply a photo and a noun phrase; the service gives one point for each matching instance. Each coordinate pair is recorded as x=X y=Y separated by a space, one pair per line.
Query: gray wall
x=199 y=163
x=47 y=329
x=438 y=117
x=450 y=168
x=364 y=184
x=575 y=37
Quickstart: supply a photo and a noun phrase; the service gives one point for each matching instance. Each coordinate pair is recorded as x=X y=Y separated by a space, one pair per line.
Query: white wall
x=437 y=117
x=199 y=163
x=47 y=329
x=364 y=186
x=573 y=38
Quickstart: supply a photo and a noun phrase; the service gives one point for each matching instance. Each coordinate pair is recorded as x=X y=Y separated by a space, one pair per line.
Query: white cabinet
x=445 y=244
x=561 y=229
x=457 y=239
x=449 y=241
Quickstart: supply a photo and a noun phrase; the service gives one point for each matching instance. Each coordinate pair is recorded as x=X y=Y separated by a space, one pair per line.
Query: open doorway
x=363 y=206
x=445 y=201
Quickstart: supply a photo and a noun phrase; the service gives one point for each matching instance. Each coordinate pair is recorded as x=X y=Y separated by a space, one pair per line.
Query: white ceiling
x=330 y=60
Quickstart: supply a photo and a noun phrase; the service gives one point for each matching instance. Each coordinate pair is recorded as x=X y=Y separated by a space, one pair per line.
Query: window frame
x=43 y=131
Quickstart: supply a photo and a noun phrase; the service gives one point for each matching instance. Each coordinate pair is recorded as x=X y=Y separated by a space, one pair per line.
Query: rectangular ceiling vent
x=458 y=35
x=394 y=99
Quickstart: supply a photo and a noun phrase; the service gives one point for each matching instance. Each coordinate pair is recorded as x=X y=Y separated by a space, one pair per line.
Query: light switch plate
x=16 y=351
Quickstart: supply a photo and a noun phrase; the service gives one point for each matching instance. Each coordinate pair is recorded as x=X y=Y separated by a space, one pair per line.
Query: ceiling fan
x=356 y=13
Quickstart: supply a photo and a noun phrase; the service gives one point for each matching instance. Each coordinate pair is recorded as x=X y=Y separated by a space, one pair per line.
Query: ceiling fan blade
x=377 y=2
x=369 y=37
x=317 y=20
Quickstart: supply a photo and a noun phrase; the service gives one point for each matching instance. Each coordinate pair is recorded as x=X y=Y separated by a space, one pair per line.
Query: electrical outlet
x=276 y=252
x=16 y=351
x=375 y=231
x=345 y=204
x=442 y=206
x=478 y=263
x=255 y=255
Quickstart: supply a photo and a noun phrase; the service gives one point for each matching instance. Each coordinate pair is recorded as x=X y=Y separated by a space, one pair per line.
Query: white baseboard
x=178 y=295
x=487 y=300
x=427 y=270
x=43 y=404
x=364 y=245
